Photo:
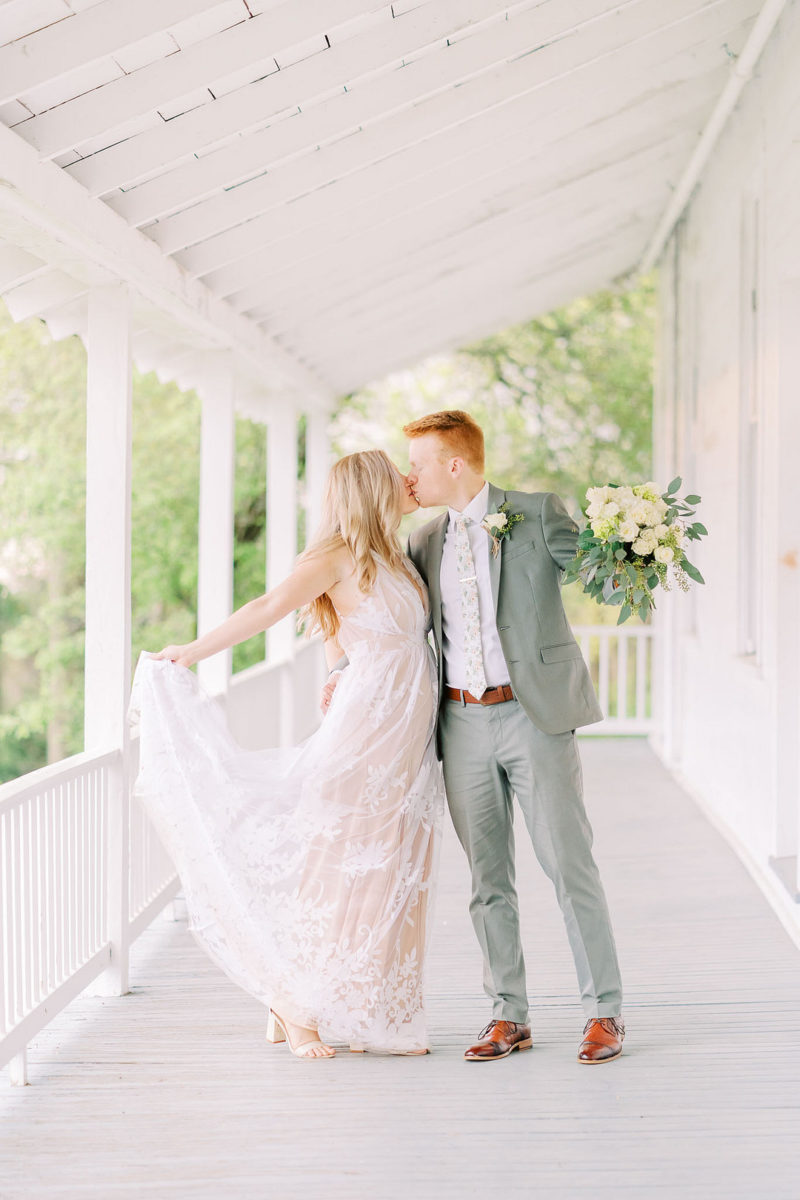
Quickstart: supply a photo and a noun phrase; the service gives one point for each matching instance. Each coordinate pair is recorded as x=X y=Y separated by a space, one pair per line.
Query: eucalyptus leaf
x=692 y=571
x=691 y=500
x=625 y=612
x=673 y=487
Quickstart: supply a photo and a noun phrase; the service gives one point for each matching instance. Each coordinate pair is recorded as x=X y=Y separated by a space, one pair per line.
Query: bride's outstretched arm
x=308 y=580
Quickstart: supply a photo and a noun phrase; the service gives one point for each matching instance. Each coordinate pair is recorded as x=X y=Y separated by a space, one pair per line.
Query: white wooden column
x=318 y=460
x=108 y=590
x=215 y=532
x=281 y=518
x=281 y=552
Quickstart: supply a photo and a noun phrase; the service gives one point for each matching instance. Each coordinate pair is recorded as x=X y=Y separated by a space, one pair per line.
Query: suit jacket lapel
x=496 y=497
x=434 y=564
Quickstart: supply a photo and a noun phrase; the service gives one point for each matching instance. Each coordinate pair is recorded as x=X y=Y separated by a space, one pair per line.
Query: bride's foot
x=303 y=1043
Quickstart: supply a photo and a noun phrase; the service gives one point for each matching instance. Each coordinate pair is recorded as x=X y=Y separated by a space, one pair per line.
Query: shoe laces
x=610 y=1024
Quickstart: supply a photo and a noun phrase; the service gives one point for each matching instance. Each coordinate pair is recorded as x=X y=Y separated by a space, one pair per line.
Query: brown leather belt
x=495 y=695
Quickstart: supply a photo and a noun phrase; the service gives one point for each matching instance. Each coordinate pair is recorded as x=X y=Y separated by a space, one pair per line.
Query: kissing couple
x=309 y=870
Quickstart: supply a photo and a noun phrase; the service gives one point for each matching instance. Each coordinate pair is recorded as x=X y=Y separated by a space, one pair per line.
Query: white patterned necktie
x=470 y=609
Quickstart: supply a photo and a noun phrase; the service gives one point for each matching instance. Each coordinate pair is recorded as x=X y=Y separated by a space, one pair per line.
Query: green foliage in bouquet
x=633 y=539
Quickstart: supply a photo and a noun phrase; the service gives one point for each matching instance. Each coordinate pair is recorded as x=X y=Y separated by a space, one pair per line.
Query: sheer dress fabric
x=308 y=870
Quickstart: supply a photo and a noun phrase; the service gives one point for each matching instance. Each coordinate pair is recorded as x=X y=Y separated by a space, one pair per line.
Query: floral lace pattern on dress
x=308 y=870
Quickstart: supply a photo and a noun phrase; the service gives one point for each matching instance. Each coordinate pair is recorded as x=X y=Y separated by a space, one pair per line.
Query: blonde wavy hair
x=361 y=510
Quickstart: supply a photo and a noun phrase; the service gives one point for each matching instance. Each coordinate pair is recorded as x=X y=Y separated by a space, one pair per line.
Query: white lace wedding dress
x=308 y=870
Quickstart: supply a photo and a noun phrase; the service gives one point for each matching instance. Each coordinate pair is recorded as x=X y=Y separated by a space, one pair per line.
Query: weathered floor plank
x=172 y=1091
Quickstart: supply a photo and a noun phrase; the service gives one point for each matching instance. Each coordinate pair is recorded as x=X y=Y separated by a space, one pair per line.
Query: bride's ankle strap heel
x=275 y=1031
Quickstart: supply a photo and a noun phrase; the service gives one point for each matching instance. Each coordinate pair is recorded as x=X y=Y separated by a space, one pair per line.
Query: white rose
x=661 y=507
x=628 y=531
x=625 y=497
x=497 y=520
x=648 y=536
x=610 y=510
x=639 y=513
x=661 y=531
x=664 y=554
x=595 y=509
x=596 y=495
x=640 y=546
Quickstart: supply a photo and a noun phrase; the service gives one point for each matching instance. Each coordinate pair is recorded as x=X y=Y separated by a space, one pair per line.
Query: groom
x=513 y=687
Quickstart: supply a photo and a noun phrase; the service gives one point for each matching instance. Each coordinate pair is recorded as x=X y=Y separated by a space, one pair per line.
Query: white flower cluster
x=636 y=515
x=496 y=520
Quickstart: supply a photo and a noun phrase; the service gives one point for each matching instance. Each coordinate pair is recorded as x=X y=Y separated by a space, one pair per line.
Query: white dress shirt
x=494 y=663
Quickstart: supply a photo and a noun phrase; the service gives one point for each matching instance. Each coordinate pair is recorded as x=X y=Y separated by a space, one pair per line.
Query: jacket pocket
x=560 y=653
x=515 y=551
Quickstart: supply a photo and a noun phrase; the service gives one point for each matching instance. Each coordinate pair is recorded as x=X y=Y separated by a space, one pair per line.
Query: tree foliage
x=42 y=515
x=565 y=401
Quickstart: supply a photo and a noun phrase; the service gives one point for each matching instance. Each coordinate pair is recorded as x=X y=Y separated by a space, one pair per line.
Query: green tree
x=565 y=401
x=42 y=510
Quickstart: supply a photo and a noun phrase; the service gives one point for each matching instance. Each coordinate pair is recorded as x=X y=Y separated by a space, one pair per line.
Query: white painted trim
x=53 y=217
x=741 y=73
x=108 y=590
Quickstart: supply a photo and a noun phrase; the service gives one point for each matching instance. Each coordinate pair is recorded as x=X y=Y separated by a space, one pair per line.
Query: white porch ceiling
x=338 y=189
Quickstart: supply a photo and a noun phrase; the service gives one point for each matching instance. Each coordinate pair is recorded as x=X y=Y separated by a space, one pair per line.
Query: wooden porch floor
x=171 y=1091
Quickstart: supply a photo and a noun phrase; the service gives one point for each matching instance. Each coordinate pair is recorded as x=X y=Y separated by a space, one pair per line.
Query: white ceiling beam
x=484 y=91
x=17 y=265
x=620 y=81
x=249 y=108
x=354 y=366
x=362 y=104
x=356 y=266
x=78 y=230
x=498 y=264
x=112 y=106
x=532 y=155
x=85 y=38
x=36 y=296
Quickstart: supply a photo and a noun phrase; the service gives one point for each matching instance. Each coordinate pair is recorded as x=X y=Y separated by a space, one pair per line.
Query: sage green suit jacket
x=546 y=667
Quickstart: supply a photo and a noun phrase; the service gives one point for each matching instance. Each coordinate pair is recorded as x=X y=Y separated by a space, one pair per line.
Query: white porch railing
x=620 y=662
x=60 y=886
x=57 y=886
x=59 y=883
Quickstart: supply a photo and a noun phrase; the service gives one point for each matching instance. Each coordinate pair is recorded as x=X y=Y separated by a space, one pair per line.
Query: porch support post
x=216 y=512
x=281 y=550
x=318 y=458
x=108 y=592
x=281 y=518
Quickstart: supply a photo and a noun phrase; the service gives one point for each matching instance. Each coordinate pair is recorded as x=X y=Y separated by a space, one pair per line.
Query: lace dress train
x=308 y=870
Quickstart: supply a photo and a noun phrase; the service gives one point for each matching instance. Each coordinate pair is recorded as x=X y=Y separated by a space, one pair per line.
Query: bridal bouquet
x=634 y=538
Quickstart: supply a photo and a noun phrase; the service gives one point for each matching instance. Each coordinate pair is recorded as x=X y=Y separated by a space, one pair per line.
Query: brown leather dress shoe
x=602 y=1039
x=498 y=1039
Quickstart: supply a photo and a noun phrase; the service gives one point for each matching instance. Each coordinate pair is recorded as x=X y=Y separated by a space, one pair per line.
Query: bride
x=308 y=870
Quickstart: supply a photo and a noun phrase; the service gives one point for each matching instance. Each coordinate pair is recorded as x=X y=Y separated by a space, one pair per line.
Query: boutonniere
x=499 y=524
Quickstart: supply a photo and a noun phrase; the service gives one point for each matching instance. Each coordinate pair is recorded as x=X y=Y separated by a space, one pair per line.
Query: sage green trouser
x=489 y=754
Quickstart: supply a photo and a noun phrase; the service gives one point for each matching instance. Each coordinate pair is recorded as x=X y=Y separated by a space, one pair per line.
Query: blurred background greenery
x=565 y=401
